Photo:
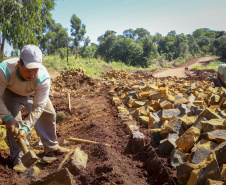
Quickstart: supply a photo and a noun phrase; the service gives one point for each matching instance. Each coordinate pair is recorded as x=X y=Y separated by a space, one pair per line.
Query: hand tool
x=29 y=157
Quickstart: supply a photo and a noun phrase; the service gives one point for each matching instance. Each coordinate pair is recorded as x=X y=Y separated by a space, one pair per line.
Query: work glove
x=22 y=134
x=11 y=125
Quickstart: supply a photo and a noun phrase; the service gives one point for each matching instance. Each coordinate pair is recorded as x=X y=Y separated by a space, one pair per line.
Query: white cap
x=31 y=56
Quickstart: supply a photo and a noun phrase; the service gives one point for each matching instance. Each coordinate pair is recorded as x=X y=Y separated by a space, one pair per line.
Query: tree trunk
x=2 y=44
x=67 y=55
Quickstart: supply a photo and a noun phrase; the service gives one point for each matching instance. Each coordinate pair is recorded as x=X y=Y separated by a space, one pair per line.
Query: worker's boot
x=59 y=151
x=19 y=167
x=62 y=150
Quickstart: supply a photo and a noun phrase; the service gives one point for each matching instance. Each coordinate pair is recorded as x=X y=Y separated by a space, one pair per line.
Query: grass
x=212 y=65
x=97 y=67
x=169 y=66
x=93 y=67
x=196 y=67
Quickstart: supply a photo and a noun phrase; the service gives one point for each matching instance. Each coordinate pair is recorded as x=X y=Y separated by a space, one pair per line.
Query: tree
x=21 y=21
x=140 y=33
x=221 y=49
x=200 y=32
x=106 y=47
x=107 y=33
x=181 y=46
x=89 y=51
x=167 y=44
x=193 y=47
x=78 y=31
x=129 y=33
x=157 y=37
x=56 y=37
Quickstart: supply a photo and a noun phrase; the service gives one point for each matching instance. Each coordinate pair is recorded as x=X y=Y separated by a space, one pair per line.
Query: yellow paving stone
x=182 y=90
x=187 y=140
x=166 y=105
x=223 y=172
x=168 y=126
x=214 y=99
x=131 y=103
x=2 y=132
x=154 y=130
x=214 y=182
x=187 y=121
x=3 y=145
x=210 y=145
x=153 y=87
x=144 y=119
x=154 y=104
x=144 y=94
x=198 y=102
x=222 y=101
x=209 y=114
x=116 y=101
x=212 y=124
x=199 y=174
x=139 y=103
x=144 y=110
x=163 y=90
x=131 y=128
x=170 y=98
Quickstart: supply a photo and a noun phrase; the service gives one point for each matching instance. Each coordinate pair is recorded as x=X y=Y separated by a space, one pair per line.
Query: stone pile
x=71 y=79
x=115 y=74
x=186 y=120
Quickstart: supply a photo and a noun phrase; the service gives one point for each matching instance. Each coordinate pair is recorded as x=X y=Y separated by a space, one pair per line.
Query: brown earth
x=93 y=117
x=180 y=71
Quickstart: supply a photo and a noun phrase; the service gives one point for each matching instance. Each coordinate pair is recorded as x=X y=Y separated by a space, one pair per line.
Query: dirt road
x=179 y=72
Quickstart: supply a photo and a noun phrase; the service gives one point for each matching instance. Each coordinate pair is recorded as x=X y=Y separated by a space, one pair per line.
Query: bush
x=170 y=56
x=196 y=67
x=62 y=52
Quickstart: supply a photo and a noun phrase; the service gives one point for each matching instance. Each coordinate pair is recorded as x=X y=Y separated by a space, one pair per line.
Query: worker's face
x=27 y=74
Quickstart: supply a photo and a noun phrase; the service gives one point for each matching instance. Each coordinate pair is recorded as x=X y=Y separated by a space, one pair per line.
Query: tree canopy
x=21 y=21
x=30 y=22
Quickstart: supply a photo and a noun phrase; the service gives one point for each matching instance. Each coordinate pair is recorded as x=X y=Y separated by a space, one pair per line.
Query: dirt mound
x=72 y=79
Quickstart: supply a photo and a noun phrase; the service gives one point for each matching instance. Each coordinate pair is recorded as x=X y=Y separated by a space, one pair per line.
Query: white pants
x=45 y=126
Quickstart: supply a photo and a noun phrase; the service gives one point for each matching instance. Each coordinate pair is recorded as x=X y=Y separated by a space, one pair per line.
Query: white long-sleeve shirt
x=39 y=87
x=222 y=71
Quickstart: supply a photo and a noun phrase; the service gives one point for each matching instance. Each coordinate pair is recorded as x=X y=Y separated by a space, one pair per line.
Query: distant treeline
x=31 y=23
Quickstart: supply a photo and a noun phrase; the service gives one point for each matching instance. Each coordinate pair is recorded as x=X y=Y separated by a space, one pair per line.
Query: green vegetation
x=61 y=115
x=31 y=23
x=21 y=22
x=214 y=65
x=93 y=67
x=196 y=67
x=167 y=65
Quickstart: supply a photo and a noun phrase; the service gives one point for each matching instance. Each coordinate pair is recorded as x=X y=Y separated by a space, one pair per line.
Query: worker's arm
x=5 y=114
x=221 y=79
x=41 y=96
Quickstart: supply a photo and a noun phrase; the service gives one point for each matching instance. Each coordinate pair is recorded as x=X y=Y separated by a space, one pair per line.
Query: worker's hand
x=11 y=124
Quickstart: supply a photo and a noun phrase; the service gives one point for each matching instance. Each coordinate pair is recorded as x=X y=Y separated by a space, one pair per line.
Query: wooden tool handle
x=77 y=140
x=21 y=142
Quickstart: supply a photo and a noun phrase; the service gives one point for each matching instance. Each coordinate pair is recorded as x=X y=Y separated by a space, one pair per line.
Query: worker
x=25 y=81
x=220 y=80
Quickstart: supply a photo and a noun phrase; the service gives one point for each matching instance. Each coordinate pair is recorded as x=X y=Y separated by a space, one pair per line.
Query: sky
x=156 y=16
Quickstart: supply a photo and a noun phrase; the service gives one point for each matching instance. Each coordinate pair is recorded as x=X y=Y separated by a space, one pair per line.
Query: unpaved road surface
x=180 y=71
